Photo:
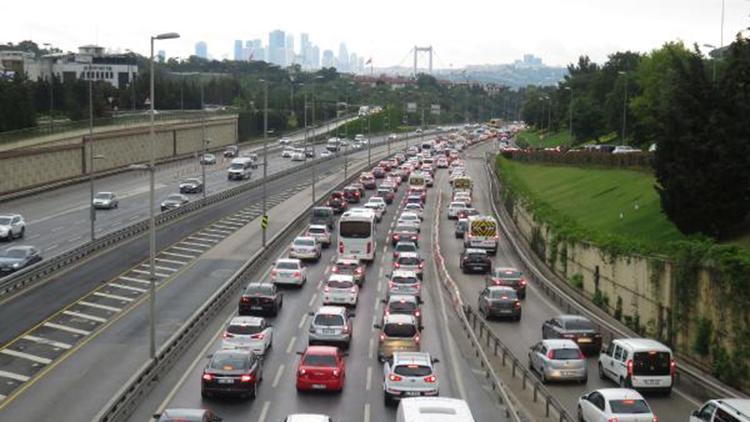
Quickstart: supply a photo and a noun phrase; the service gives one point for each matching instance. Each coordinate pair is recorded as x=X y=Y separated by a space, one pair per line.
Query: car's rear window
x=316 y=230
x=405 y=247
x=329 y=320
x=319 y=360
x=509 y=274
x=629 y=407
x=579 y=324
x=404 y=280
x=651 y=363
x=503 y=294
x=340 y=284
x=402 y=307
x=413 y=370
x=321 y=212
x=244 y=329
x=399 y=330
x=259 y=289
x=286 y=265
x=566 y=354
x=408 y=260
x=228 y=361
x=304 y=242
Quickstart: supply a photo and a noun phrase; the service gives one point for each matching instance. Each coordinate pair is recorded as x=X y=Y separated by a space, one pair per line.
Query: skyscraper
x=162 y=56
x=277 y=47
x=238 y=53
x=304 y=50
x=314 y=57
x=353 y=61
x=328 y=59
x=258 y=52
x=201 y=49
x=343 y=63
x=290 y=53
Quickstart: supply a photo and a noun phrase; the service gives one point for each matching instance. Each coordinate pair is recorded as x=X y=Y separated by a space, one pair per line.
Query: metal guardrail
x=573 y=301
x=121 y=406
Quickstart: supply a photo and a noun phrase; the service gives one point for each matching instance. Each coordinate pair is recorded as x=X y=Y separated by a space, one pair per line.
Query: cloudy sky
x=461 y=32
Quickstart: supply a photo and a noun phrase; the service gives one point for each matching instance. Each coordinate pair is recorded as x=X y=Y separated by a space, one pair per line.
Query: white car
x=379 y=200
x=321 y=233
x=305 y=247
x=298 y=156
x=287 y=152
x=640 y=363
x=289 y=271
x=625 y=149
x=409 y=261
x=378 y=209
x=416 y=209
x=454 y=208
x=106 y=200
x=464 y=197
x=307 y=417
x=285 y=141
x=340 y=289
x=325 y=153
x=614 y=404
x=409 y=374
x=12 y=227
x=409 y=218
x=250 y=333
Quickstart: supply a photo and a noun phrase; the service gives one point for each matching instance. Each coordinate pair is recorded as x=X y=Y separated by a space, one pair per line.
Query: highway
x=362 y=398
x=536 y=307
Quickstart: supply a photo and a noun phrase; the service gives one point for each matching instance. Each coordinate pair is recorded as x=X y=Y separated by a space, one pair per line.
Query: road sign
x=264 y=222
x=411 y=107
x=435 y=109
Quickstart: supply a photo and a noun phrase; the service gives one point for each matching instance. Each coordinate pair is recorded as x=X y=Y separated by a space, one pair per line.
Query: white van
x=723 y=410
x=639 y=363
x=240 y=168
x=431 y=409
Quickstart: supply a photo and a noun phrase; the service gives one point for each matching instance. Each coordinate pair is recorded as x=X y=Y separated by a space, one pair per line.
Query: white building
x=91 y=62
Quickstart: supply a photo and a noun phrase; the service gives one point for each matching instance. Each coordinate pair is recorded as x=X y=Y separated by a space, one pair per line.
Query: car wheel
x=204 y=394
x=254 y=393
x=543 y=376
x=624 y=383
x=275 y=311
x=531 y=365
x=585 y=380
x=580 y=415
x=602 y=376
x=21 y=234
x=387 y=400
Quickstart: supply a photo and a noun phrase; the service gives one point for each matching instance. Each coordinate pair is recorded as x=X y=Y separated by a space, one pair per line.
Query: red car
x=338 y=202
x=321 y=368
x=385 y=164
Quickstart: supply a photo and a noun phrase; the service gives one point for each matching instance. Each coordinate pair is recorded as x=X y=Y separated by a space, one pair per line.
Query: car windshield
x=510 y=274
x=287 y=265
x=579 y=324
x=413 y=370
x=340 y=284
x=259 y=289
x=405 y=247
x=99 y=196
x=15 y=253
x=566 y=354
x=355 y=229
x=651 y=363
x=236 y=166
x=4 y=221
x=244 y=329
x=408 y=260
x=346 y=266
x=384 y=192
x=399 y=330
x=503 y=294
x=228 y=361
x=402 y=307
x=319 y=360
x=329 y=320
x=404 y=280
x=628 y=407
x=304 y=242
x=458 y=205
x=316 y=230
x=409 y=217
x=192 y=181
x=463 y=225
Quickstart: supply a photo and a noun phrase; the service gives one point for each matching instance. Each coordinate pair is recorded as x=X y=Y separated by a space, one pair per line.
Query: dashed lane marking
x=27 y=356
x=179 y=255
x=291 y=344
x=226 y=232
x=85 y=316
x=212 y=235
x=98 y=306
x=147 y=272
x=302 y=321
x=198 y=244
x=264 y=411
x=14 y=376
x=277 y=378
x=134 y=279
x=181 y=248
x=203 y=239
x=66 y=328
x=52 y=343
x=171 y=261
x=228 y=229
x=367 y=413
x=369 y=378
x=369 y=349
x=124 y=287
x=312 y=299
x=115 y=297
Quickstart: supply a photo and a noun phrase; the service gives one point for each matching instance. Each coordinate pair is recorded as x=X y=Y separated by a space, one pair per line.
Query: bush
x=636 y=161
x=576 y=280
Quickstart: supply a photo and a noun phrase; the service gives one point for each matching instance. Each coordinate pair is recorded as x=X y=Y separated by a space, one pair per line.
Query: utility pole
x=91 y=156
x=265 y=155
x=369 y=141
x=624 y=105
x=205 y=142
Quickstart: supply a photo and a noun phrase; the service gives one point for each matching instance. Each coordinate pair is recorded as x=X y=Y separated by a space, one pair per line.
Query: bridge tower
x=418 y=50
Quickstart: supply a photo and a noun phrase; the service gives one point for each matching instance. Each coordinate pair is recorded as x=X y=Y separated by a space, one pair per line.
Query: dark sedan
x=191 y=186
x=499 y=301
x=405 y=232
x=352 y=194
x=386 y=194
x=475 y=261
x=378 y=172
x=574 y=327
x=18 y=257
x=231 y=372
x=338 y=202
x=508 y=276
x=174 y=201
x=260 y=298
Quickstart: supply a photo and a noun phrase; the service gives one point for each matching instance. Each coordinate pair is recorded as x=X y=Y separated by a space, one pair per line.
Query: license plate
x=226 y=381
x=256 y=308
x=319 y=386
x=355 y=251
x=329 y=331
x=411 y=393
x=651 y=382
x=505 y=311
x=584 y=340
x=478 y=268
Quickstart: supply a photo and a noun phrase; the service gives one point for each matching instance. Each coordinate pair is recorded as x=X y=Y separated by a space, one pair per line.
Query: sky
x=467 y=32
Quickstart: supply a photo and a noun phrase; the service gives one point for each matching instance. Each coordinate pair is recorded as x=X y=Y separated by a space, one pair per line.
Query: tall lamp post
x=624 y=105
x=570 y=113
x=265 y=154
x=51 y=87
x=92 y=157
x=152 y=201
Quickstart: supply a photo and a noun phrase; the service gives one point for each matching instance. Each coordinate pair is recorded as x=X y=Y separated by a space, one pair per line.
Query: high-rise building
x=258 y=52
x=343 y=62
x=353 y=62
x=304 y=50
x=328 y=59
x=201 y=49
x=238 y=53
x=314 y=57
x=277 y=47
x=291 y=56
x=162 y=56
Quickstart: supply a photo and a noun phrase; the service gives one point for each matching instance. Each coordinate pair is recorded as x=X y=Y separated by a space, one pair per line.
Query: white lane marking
x=160 y=267
x=2 y=397
x=66 y=328
x=236 y=220
x=370 y=349
x=381 y=272
x=225 y=232
x=98 y=306
x=84 y=316
x=312 y=299
x=203 y=239
x=53 y=246
x=181 y=248
x=369 y=378
x=367 y=413
x=134 y=279
x=52 y=343
x=75 y=239
x=124 y=287
x=115 y=297
x=27 y=356
x=57 y=229
x=277 y=378
x=213 y=235
x=291 y=344
x=264 y=411
x=135 y=217
x=198 y=244
x=229 y=230
x=14 y=376
x=374 y=321
x=232 y=223
x=302 y=321
x=32 y=237
x=147 y=272
x=171 y=261
x=179 y=255
x=380 y=286
x=385 y=248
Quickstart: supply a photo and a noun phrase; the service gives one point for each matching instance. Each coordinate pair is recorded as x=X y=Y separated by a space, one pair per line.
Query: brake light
x=630 y=367
x=297 y=273
x=207 y=377
x=382 y=337
x=369 y=247
x=523 y=282
x=358 y=270
x=394 y=377
x=655 y=419
x=397 y=237
x=335 y=269
x=421 y=264
x=244 y=299
x=228 y=335
x=345 y=330
x=341 y=247
x=246 y=377
x=430 y=379
x=416 y=338
x=417 y=314
x=551 y=354
x=673 y=367
x=613 y=420
x=518 y=304
x=335 y=372
x=259 y=336
x=396 y=265
x=354 y=290
x=302 y=371
x=274 y=273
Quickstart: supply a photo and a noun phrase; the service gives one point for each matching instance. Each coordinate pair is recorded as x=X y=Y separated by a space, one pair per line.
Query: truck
x=483 y=233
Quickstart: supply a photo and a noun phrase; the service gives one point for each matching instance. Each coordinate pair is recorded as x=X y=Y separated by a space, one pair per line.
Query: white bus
x=357 y=235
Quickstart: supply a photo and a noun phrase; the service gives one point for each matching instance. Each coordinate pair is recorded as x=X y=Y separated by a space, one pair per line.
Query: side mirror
x=345 y=354
x=378 y=326
x=156 y=415
x=383 y=301
x=311 y=313
x=352 y=315
x=435 y=360
x=695 y=413
x=209 y=356
x=420 y=301
x=299 y=353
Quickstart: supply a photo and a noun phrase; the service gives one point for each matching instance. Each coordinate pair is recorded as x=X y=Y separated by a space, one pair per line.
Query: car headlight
x=16 y=265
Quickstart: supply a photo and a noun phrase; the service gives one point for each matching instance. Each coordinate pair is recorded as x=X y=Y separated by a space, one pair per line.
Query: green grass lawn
x=543 y=139
x=607 y=202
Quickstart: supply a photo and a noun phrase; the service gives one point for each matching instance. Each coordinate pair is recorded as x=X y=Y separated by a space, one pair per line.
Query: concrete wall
x=23 y=169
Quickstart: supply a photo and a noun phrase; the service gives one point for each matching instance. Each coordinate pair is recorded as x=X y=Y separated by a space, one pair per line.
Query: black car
x=191 y=186
x=386 y=194
x=174 y=201
x=378 y=172
x=260 y=298
x=508 y=276
x=475 y=261
x=231 y=372
x=18 y=257
x=574 y=327
x=405 y=232
x=462 y=225
x=322 y=216
x=499 y=301
x=352 y=194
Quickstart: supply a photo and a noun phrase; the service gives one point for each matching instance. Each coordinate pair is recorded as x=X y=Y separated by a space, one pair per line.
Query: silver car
x=12 y=227
x=409 y=261
x=106 y=200
x=404 y=283
x=330 y=325
x=305 y=248
x=558 y=360
x=409 y=374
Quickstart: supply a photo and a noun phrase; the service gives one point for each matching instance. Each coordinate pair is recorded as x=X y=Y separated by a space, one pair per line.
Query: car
x=289 y=271
x=614 y=404
x=368 y=181
x=298 y=156
x=415 y=208
x=639 y=363
x=305 y=248
x=352 y=194
x=325 y=153
x=385 y=165
x=577 y=328
x=409 y=374
x=625 y=149
x=191 y=185
x=416 y=195
x=466 y=213
x=379 y=208
x=253 y=157
x=350 y=266
x=403 y=304
x=321 y=233
x=398 y=333
x=17 y=258
x=231 y=151
x=454 y=208
x=500 y=302
x=105 y=200
x=187 y=415
x=174 y=201
x=308 y=417
x=285 y=141
x=330 y=325
x=321 y=368
x=386 y=193
x=404 y=246
x=232 y=372
x=409 y=218
x=261 y=298
x=12 y=226
x=410 y=261
x=508 y=276
x=378 y=172
x=405 y=232
x=463 y=196
x=428 y=180
x=310 y=152
x=208 y=159
x=403 y=282
x=287 y=152
x=322 y=215
x=422 y=409
x=361 y=188
x=442 y=163
x=558 y=360
x=462 y=226
x=248 y=332
x=337 y=202
x=340 y=289
x=720 y=410
x=474 y=261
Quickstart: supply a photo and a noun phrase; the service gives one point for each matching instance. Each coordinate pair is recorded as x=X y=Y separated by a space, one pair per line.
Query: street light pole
x=369 y=135
x=205 y=142
x=92 y=211
x=51 y=87
x=624 y=105
x=570 y=112
x=265 y=154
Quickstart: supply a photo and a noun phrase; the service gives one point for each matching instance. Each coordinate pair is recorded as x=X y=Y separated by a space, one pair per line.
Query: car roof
x=560 y=344
x=402 y=298
x=494 y=288
x=438 y=409
x=246 y=320
x=184 y=413
x=293 y=260
x=571 y=317
x=321 y=350
x=310 y=238
x=643 y=344
x=317 y=226
x=331 y=310
x=399 y=319
x=406 y=242
x=341 y=277
x=620 y=394
x=418 y=358
x=10 y=215
x=738 y=405
x=307 y=417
